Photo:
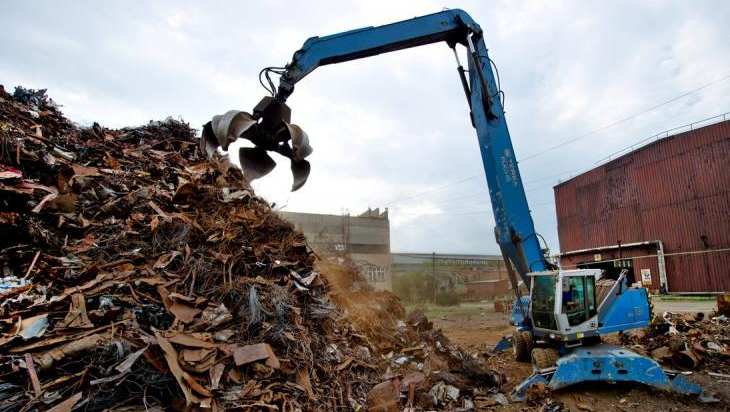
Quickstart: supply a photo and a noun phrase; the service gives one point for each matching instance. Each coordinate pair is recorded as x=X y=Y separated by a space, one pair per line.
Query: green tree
x=423 y=285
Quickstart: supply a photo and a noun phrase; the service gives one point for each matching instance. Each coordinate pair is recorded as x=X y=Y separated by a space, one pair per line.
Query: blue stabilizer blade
x=608 y=363
x=680 y=384
x=503 y=344
x=519 y=393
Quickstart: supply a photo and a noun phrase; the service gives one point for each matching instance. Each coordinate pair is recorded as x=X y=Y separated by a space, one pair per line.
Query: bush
x=414 y=287
x=446 y=299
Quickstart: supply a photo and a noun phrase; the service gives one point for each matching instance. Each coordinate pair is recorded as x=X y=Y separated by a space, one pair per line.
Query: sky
x=392 y=130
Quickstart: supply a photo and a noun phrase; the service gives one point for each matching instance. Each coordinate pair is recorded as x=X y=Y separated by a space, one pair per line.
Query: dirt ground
x=477 y=327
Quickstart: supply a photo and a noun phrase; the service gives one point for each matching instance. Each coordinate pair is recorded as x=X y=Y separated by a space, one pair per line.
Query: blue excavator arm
x=514 y=230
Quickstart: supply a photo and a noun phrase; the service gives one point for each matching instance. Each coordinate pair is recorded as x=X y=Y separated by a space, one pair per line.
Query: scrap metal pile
x=686 y=342
x=138 y=275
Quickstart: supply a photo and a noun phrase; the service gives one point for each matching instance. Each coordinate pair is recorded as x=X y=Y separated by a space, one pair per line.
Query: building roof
x=415 y=258
x=368 y=214
x=652 y=142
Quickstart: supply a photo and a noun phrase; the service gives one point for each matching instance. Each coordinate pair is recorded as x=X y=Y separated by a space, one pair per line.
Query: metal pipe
x=482 y=81
x=597 y=249
x=462 y=77
x=662 y=266
x=686 y=360
x=515 y=285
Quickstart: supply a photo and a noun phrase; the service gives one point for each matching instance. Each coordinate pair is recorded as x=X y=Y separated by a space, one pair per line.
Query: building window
x=376 y=274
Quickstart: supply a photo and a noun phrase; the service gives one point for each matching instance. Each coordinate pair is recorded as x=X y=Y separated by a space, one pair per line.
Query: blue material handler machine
x=562 y=314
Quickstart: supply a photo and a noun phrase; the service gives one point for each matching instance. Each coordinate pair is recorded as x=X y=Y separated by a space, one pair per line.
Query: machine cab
x=563 y=304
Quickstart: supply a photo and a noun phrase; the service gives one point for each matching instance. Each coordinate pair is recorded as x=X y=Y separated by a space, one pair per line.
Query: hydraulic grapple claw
x=269 y=129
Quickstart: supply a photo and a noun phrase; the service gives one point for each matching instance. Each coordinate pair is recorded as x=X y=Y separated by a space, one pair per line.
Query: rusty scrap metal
x=139 y=273
x=685 y=341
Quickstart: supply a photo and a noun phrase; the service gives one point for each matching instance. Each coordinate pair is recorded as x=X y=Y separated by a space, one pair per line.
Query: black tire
x=529 y=341
x=544 y=358
x=519 y=347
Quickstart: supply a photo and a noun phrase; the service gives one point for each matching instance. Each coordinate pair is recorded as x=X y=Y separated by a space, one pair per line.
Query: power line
x=636 y=145
x=542 y=204
x=466 y=205
x=452 y=200
x=463 y=213
x=431 y=191
x=565 y=144
x=532 y=189
x=625 y=119
x=548 y=177
x=472 y=195
x=674 y=131
x=443 y=214
x=465 y=180
x=483 y=203
x=449 y=201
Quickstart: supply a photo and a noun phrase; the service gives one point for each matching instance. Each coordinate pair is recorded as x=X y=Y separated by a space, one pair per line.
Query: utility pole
x=433 y=272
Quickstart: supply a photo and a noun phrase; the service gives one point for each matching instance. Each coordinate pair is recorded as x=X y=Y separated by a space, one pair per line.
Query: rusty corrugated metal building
x=662 y=211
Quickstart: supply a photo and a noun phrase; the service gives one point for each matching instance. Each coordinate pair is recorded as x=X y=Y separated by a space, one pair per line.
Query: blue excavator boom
x=514 y=230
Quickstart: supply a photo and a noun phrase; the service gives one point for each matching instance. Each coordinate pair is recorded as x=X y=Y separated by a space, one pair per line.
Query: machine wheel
x=529 y=341
x=519 y=346
x=544 y=358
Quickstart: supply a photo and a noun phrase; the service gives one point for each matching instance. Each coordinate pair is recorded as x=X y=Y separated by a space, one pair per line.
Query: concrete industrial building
x=364 y=238
x=662 y=211
x=481 y=276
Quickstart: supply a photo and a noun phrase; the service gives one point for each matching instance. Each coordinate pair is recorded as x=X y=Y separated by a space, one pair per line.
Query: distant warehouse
x=661 y=211
x=364 y=238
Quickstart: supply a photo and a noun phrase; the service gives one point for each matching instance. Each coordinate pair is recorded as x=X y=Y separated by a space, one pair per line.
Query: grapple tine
x=300 y=172
x=215 y=127
x=208 y=141
x=299 y=142
x=231 y=126
x=255 y=162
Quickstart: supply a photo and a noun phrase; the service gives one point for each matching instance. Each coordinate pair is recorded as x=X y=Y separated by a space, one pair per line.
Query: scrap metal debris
x=685 y=342
x=723 y=304
x=137 y=274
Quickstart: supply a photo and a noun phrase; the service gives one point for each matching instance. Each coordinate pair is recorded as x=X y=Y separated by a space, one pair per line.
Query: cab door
x=578 y=299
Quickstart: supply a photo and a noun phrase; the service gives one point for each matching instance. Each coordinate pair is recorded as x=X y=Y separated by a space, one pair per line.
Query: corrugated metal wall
x=676 y=190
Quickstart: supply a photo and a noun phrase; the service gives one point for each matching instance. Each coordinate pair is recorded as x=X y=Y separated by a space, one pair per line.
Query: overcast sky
x=392 y=130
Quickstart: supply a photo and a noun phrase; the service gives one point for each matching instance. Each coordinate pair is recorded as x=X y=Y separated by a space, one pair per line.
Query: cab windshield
x=543 y=301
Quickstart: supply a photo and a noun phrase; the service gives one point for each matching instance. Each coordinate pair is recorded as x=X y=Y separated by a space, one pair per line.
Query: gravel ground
x=476 y=327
